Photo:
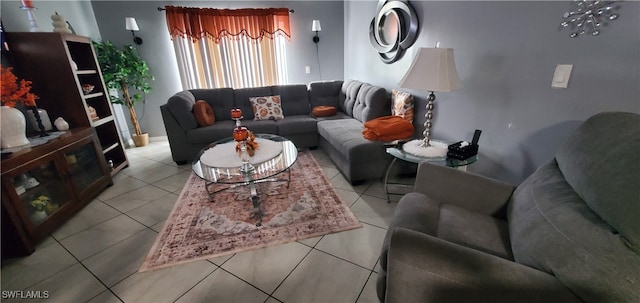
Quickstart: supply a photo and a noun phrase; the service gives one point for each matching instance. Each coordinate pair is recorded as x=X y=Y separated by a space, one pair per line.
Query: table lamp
x=433 y=70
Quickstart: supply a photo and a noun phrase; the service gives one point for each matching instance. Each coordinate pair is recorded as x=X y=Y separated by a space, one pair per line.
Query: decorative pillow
x=203 y=113
x=323 y=111
x=402 y=105
x=267 y=108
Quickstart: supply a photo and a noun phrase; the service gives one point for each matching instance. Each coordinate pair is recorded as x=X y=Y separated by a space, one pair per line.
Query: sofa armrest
x=422 y=268
x=474 y=192
x=176 y=135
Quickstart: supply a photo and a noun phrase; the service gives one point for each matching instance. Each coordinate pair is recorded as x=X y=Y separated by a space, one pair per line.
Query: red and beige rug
x=197 y=229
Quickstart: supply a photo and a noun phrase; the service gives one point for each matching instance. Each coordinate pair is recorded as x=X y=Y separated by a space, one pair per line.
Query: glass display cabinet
x=43 y=186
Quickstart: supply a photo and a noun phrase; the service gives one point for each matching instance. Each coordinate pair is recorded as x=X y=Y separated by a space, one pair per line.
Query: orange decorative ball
x=240 y=133
x=236 y=113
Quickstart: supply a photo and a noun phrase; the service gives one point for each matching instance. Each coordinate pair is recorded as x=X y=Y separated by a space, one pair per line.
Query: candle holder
x=236 y=114
x=245 y=167
x=240 y=135
x=33 y=22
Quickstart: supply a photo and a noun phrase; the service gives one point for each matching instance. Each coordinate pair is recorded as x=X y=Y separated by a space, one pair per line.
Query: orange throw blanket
x=387 y=128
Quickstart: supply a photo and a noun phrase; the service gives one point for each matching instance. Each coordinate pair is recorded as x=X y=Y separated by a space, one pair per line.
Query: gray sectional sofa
x=340 y=135
x=569 y=233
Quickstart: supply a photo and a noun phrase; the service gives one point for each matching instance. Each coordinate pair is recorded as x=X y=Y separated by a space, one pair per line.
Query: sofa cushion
x=295 y=99
x=474 y=230
x=339 y=115
x=421 y=213
x=203 y=113
x=220 y=99
x=345 y=135
x=601 y=161
x=552 y=229
x=181 y=107
x=209 y=134
x=402 y=105
x=266 y=108
x=241 y=98
x=371 y=103
x=261 y=126
x=293 y=125
x=325 y=93
x=348 y=96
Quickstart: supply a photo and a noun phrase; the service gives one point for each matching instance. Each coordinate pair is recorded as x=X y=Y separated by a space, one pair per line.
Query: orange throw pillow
x=204 y=113
x=324 y=111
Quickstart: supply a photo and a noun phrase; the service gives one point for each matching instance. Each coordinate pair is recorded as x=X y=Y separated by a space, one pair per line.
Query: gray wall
x=506 y=53
x=157 y=48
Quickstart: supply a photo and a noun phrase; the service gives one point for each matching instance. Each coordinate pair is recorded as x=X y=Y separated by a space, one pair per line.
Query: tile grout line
x=87 y=269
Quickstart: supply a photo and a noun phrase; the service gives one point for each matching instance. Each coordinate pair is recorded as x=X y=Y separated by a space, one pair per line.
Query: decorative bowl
x=87 y=88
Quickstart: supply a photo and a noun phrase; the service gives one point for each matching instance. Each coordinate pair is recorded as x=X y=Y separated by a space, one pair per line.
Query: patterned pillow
x=267 y=108
x=402 y=105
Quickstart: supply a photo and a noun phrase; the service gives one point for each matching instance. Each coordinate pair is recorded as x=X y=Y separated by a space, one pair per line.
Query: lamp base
x=436 y=150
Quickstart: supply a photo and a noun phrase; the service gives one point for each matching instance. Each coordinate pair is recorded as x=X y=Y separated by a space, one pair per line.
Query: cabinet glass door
x=84 y=166
x=42 y=191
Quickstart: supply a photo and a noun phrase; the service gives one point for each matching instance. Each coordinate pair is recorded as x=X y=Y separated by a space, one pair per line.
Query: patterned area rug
x=197 y=229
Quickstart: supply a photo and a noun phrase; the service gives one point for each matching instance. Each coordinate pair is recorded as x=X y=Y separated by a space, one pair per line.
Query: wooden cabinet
x=44 y=185
x=60 y=66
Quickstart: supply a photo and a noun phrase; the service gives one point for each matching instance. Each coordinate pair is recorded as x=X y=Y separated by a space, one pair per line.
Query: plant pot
x=142 y=140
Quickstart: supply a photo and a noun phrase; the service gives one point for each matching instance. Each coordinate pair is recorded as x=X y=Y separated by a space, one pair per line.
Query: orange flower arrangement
x=13 y=91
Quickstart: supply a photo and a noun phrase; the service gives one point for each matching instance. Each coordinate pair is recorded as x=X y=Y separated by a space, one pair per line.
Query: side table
x=398 y=153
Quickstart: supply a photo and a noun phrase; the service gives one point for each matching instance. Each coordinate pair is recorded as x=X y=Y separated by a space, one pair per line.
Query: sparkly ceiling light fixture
x=589 y=16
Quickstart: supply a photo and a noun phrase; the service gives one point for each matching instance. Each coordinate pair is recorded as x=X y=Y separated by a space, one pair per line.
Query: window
x=229 y=48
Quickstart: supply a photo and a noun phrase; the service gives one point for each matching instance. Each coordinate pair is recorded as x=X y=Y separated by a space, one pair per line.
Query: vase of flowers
x=13 y=124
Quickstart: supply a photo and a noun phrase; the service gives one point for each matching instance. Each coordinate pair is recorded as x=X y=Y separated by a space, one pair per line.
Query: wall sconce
x=315 y=26
x=132 y=25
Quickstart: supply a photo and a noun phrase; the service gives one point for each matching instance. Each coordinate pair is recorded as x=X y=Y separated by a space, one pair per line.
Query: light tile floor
x=95 y=256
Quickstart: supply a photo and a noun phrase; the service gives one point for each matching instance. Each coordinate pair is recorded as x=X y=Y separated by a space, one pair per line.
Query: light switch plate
x=307 y=69
x=561 y=75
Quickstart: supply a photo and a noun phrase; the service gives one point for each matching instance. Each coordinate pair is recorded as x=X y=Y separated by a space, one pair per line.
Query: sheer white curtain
x=236 y=62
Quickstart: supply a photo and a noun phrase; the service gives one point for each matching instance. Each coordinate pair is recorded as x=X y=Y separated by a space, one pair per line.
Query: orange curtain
x=196 y=23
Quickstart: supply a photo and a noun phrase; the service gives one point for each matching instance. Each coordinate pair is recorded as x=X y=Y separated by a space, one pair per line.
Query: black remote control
x=476 y=137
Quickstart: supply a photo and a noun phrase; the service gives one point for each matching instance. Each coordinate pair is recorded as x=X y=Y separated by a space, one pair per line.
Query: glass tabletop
x=399 y=153
x=262 y=170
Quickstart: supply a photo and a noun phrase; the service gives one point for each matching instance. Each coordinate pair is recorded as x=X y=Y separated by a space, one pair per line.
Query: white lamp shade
x=315 y=26
x=433 y=69
x=131 y=24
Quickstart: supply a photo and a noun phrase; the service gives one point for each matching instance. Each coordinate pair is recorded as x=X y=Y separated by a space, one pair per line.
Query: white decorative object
x=31 y=183
x=61 y=124
x=59 y=24
x=38 y=216
x=436 y=149
x=13 y=127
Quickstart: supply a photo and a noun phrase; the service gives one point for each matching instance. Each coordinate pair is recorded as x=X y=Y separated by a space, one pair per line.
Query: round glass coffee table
x=398 y=153
x=218 y=165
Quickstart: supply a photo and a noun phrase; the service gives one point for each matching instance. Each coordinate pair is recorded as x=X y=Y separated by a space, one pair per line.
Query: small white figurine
x=59 y=24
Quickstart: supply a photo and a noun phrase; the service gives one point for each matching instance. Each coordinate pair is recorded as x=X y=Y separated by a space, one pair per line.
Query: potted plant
x=123 y=69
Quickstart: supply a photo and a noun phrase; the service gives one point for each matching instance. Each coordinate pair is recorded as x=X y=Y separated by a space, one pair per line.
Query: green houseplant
x=123 y=69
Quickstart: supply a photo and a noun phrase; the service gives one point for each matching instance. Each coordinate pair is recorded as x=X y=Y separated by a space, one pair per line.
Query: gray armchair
x=569 y=233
